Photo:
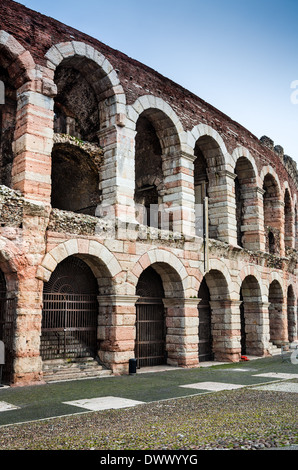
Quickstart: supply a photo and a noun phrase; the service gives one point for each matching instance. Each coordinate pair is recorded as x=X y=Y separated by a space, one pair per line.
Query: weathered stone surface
x=105 y=160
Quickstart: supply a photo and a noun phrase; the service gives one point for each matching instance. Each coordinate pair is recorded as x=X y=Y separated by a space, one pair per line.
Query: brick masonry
x=73 y=102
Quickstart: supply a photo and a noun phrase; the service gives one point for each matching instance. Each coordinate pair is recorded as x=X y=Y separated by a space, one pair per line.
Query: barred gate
x=69 y=326
x=70 y=312
x=150 y=346
x=150 y=334
x=7 y=328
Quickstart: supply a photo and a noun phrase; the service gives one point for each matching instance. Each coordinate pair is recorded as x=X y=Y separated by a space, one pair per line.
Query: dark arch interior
x=72 y=276
x=75 y=180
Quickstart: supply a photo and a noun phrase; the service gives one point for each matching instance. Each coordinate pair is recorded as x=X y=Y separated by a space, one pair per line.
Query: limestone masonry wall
x=137 y=220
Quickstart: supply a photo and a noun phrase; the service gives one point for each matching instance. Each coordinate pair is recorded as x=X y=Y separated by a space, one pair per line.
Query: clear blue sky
x=241 y=56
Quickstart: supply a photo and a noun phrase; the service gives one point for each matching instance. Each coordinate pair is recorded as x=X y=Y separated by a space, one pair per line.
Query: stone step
x=60 y=370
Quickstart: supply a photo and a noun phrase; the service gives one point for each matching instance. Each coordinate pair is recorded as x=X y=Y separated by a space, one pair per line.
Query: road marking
x=104 y=403
x=212 y=386
x=7 y=406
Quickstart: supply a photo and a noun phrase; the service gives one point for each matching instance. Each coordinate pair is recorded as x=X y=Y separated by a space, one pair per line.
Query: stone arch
x=99 y=75
x=17 y=60
x=273 y=211
x=203 y=131
x=246 y=199
x=213 y=182
x=102 y=262
x=289 y=217
x=251 y=271
x=168 y=126
x=251 y=316
x=171 y=270
x=218 y=272
x=157 y=144
x=17 y=68
x=244 y=152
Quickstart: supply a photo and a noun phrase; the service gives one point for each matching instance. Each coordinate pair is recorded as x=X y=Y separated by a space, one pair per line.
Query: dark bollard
x=132 y=366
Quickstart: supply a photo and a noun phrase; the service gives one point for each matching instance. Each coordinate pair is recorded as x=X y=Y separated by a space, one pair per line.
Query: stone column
x=226 y=329
x=31 y=172
x=118 y=174
x=253 y=228
x=179 y=198
x=28 y=363
x=278 y=322
x=222 y=206
x=182 y=331
x=116 y=331
x=256 y=327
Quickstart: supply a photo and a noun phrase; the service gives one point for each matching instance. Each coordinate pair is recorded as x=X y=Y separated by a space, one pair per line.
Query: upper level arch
x=203 y=131
x=89 y=94
x=102 y=262
x=273 y=211
x=16 y=68
x=16 y=60
x=165 y=121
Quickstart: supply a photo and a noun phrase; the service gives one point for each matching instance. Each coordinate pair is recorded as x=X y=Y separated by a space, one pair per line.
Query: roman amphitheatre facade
x=138 y=222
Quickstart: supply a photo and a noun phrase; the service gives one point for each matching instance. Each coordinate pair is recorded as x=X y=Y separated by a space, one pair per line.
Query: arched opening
x=272 y=215
x=7 y=327
x=7 y=125
x=70 y=312
x=291 y=314
x=205 y=329
x=79 y=113
x=220 y=306
x=148 y=172
x=150 y=345
x=289 y=220
x=245 y=180
x=276 y=313
x=250 y=317
x=76 y=103
x=75 y=180
x=201 y=189
x=209 y=161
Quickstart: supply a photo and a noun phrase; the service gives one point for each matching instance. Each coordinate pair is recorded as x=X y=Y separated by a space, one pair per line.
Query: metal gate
x=7 y=323
x=205 y=336
x=205 y=327
x=70 y=311
x=150 y=334
x=69 y=326
x=150 y=347
x=7 y=328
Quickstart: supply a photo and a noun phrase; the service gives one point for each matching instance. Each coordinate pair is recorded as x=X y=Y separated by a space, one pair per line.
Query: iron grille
x=150 y=334
x=7 y=323
x=69 y=326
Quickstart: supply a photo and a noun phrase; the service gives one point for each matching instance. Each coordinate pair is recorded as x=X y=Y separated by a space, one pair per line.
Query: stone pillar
x=256 y=327
x=118 y=175
x=179 y=199
x=253 y=228
x=27 y=368
x=222 y=207
x=292 y=320
x=226 y=329
x=278 y=322
x=116 y=331
x=182 y=331
x=31 y=172
x=28 y=363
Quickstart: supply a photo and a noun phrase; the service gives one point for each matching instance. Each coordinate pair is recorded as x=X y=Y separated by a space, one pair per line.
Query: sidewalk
x=18 y=405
